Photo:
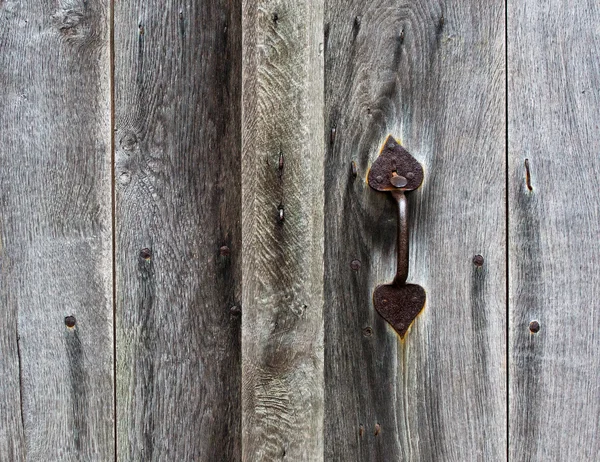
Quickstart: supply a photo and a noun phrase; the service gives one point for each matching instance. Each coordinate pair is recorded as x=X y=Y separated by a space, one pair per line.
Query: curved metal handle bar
x=402 y=245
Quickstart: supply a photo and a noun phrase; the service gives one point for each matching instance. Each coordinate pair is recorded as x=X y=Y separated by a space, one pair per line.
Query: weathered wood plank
x=178 y=218
x=282 y=227
x=56 y=392
x=554 y=108
x=433 y=76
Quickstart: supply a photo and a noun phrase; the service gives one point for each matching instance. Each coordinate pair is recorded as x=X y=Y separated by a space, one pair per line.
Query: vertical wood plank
x=432 y=74
x=56 y=328
x=282 y=184
x=178 y=241
x=554 y=108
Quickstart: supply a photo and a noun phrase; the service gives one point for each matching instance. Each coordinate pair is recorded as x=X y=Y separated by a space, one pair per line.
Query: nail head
x=478 y=260
x=70 y=321
x=534 y=327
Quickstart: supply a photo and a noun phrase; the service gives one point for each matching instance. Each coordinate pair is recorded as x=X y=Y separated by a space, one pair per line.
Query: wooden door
x=189 y=245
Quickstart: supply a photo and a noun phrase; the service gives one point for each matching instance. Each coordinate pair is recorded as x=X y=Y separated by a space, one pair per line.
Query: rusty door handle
x=402 y=244
x=396 y=171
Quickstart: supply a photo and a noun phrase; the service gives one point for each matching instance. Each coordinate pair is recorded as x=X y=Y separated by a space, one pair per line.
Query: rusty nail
x=353 y=168
x=70 y=321
x=361 y=430
x=224 y=251
x=377 y=429
x=332 y=135
x=528 y=176
x=146 y=254
x=355 y=265
x=534 y=327
x=280 y=160
x=478 y=260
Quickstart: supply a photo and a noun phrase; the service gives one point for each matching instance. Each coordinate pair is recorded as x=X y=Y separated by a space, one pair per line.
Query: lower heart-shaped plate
x=399 y=304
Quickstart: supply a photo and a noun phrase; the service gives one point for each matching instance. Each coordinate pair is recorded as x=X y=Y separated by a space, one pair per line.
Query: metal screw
x=534 y=327
x=70 y=321
x=224 y=251
x=355 y=265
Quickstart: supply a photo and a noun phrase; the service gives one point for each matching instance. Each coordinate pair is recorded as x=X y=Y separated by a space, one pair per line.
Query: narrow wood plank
x=432 y=75
x=282 y=227
x=56 y=392
x=554 y=108
x=178 y=242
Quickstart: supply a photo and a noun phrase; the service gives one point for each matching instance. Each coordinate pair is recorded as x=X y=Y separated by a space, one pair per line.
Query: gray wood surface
x=178 y=224
x=236 y=208
x=554 y=108
x=282 y=231
x=433 y=76
x=56 y=392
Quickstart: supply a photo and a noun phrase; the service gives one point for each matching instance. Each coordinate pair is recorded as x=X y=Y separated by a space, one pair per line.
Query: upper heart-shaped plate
x=394 y=160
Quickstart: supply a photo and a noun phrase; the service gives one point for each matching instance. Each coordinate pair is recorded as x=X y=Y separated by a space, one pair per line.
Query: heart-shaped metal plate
x=399 y=305
x=394 y=160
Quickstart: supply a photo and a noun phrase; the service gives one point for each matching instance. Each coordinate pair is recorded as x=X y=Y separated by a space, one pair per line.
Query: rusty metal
x=397 y=172
x=394 y=159
x=478 y=260
x=528 y=176
x=534 y=327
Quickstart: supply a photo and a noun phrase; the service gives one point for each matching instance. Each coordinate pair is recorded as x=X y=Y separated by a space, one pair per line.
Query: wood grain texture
x=554 y=108
x=282 y=231
x=56 y=396
x=433 y=75
x=177 y=173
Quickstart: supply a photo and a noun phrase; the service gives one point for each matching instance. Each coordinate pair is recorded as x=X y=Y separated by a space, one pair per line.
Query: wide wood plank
x=56 y=329
x=282 y=184
x=178 y=223
x=554 y=108
x=432 y=75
